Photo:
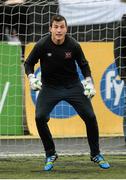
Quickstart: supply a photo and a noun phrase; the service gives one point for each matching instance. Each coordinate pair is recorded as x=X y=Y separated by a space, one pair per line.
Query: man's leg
x=44 y=105
x=82 y=105
x=84 y=108
x=43 y=108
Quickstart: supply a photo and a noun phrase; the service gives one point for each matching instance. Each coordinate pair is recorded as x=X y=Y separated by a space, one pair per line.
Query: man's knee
x=41 y=118
x=89 y=117
x=92 y=117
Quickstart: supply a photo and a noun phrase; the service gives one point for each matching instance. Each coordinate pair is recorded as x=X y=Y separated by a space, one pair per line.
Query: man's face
x=58 y=31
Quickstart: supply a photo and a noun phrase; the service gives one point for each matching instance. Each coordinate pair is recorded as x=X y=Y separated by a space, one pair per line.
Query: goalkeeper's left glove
x=89 y=89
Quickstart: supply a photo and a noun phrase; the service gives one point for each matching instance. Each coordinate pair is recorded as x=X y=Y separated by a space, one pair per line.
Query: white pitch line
x=5 y=91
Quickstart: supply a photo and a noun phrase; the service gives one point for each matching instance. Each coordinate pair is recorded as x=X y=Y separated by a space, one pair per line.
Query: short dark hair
x=57 y=18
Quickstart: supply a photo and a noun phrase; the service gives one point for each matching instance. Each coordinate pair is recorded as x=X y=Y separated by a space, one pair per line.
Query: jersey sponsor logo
x=68 y=55
x=62 y=109
x=113 y=91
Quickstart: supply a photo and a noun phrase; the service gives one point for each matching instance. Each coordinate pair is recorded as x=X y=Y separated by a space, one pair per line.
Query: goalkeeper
x=58 y=54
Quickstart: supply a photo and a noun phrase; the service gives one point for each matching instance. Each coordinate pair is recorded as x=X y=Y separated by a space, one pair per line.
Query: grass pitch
x=66 y=167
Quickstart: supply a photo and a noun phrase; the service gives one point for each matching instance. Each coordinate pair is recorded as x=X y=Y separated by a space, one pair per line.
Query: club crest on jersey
x=68 y=55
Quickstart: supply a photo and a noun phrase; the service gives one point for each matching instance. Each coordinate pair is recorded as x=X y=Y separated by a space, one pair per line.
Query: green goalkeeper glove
x=89 y=89
x=35 y=83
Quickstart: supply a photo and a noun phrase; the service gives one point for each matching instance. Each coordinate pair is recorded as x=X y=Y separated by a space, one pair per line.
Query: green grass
x=66 y=167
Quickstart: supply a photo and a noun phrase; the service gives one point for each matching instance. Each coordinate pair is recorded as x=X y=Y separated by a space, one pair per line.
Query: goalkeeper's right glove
x=35 y=83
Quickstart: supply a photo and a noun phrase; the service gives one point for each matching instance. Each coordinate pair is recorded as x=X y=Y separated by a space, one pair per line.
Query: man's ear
x=50 y=29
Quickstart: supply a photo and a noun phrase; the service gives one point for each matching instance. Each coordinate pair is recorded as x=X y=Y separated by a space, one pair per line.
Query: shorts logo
x=62 y=109
x=68 y=55
x=113 y=91
x=49 y=54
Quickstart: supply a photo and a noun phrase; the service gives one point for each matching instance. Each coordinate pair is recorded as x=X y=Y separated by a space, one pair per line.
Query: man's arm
x=82 y=62
x=29 y=64
x=88 y=83
x=31 y=60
